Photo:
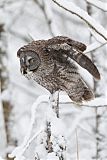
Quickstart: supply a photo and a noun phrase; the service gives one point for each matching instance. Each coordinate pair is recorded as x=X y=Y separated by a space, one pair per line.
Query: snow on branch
x=49 y=15
x=73 y=9
x=98 y=4
x=45 y=6
x=1 y=158
x=54 y=145
x=95 y=103
x=94 y=46
x=56 y=142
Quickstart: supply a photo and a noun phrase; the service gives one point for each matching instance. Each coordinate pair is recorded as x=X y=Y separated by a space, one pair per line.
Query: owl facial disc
x=29 y=61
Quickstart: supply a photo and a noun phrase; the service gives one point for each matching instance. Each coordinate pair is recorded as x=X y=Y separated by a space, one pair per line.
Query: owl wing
x=69 y=41
x=61 y=49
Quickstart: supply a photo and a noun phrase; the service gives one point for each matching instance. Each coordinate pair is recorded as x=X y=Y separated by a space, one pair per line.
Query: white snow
x=72 y=8
x=94 y=46
x=99 y=4
x=31 y=109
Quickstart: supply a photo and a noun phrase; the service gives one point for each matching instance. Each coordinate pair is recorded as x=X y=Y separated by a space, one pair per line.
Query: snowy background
x=81 y=132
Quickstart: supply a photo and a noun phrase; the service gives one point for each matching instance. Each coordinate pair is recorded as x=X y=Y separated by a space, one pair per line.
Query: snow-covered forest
x=29 y=127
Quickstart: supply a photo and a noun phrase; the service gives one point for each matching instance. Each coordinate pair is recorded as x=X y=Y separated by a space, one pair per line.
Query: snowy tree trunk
x=54 y=102
x=3 y=140
x=45 y=137
x=98 y=116
x=53 y=141
x=4 y=80
x=89 y=10
x=51 y=135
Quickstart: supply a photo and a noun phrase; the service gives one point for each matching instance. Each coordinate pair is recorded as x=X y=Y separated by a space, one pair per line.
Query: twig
x=98 y=4
x=82 y=105
x=47 y=11
x=54 y=100
x=95 y=84
x=33 y=113
x=57 y=105
x=26 y=38
x=63 y=99
x=94 y=46
x=77 y=144
x=70 y=7
x=19 y=151
x=49 y=143
x=2 y=125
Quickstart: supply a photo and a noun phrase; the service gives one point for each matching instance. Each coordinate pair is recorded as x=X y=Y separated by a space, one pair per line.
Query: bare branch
x=19 y=151
x=98 y=4
x=47 y=11
x=77 y=144
x=82 y=105
x=73 y=9
x=19 y=35
x=94 y=46
x=95 y=103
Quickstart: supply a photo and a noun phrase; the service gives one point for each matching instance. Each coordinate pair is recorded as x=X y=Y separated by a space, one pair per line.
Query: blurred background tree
x=24 y=20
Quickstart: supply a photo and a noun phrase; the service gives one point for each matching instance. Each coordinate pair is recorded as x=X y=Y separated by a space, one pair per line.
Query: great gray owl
x=50 y=63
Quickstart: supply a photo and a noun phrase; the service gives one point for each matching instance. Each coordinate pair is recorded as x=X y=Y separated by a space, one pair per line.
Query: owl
x=52 y=64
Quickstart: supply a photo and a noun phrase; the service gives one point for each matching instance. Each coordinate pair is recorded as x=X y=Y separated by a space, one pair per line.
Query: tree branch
x=98 y=4
x=47 y=11
x=94 y=46
x=73 y=9
x=54 y=100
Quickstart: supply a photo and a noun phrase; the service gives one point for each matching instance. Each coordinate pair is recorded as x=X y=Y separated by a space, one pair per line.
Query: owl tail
x=85 y=95
x=79 y=92
x=88 y=94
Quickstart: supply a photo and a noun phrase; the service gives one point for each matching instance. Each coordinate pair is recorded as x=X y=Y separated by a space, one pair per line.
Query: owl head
x=29 y=60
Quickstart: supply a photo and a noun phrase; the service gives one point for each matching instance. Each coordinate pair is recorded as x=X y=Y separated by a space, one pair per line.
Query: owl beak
x=23 y=70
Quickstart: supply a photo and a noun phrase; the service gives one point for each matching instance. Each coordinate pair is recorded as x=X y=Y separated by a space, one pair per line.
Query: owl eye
x=32 y=60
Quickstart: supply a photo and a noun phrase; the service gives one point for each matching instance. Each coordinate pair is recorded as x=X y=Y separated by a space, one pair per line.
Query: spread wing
x=69 y=41
x=63 y=48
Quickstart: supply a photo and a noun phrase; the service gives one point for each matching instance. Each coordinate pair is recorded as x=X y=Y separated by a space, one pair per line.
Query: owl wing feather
x=70 y=80
x=72 y=49
x=69 y=41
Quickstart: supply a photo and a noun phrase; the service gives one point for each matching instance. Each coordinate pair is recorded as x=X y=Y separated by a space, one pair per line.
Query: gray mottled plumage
x=50 y=63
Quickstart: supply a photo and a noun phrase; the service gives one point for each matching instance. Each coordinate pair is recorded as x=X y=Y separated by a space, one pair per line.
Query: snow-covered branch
x=98 y=116
x=98 y=4
x=48 y=137
x=73 y=9
x=47 y=11
x=54 y=144
x=54 y=100
x=50 y=17
x=94 y=46
x=97 y=102
x=55 y=132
